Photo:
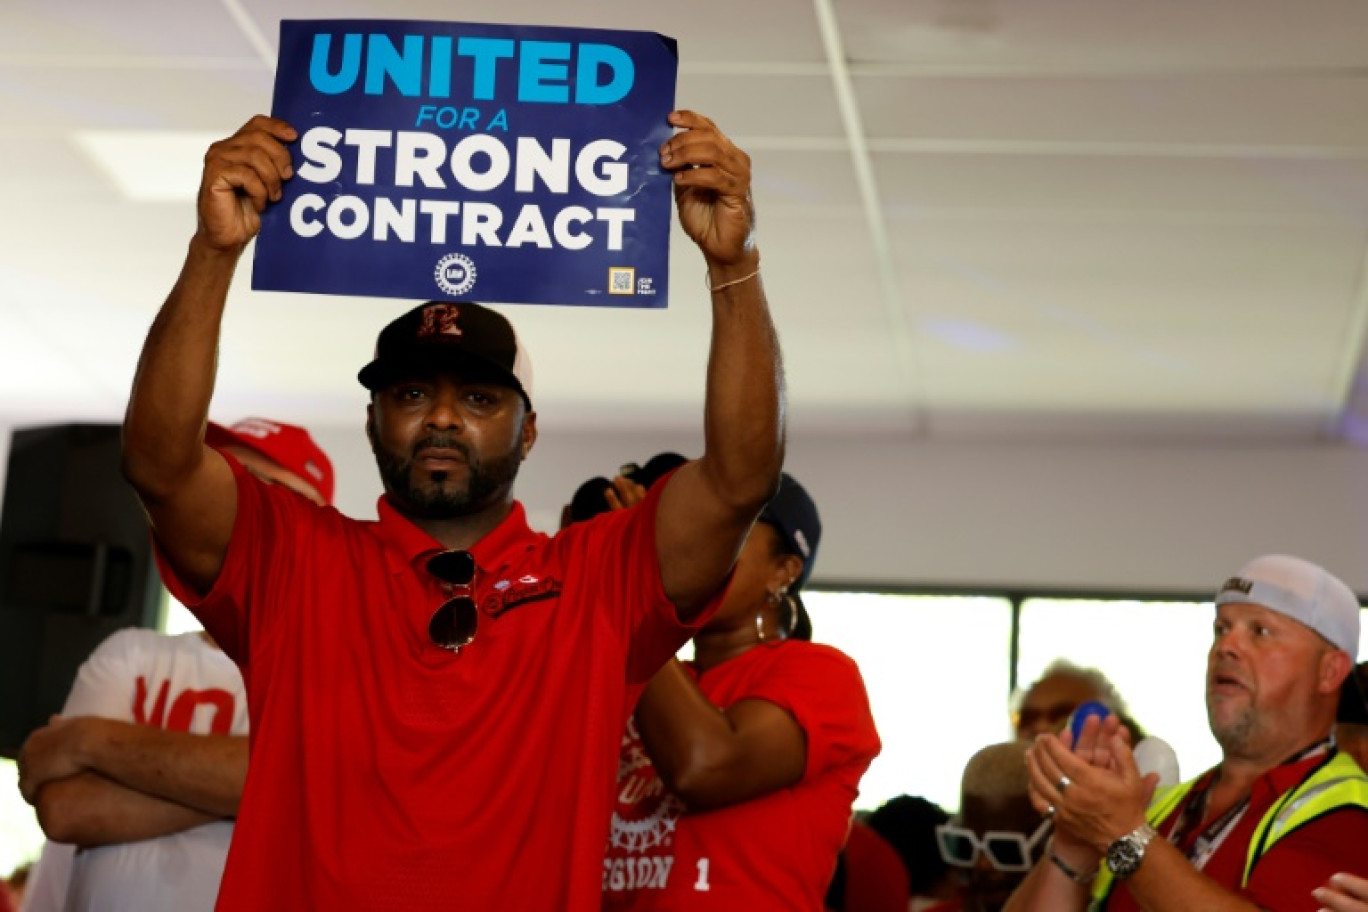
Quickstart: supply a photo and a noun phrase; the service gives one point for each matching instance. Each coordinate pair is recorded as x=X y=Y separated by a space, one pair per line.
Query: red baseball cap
x=287 y=445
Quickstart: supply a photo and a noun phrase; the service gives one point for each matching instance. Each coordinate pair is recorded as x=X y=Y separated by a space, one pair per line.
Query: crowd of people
x=445 y=709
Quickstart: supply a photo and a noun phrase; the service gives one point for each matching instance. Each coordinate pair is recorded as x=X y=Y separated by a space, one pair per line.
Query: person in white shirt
x=137 y=782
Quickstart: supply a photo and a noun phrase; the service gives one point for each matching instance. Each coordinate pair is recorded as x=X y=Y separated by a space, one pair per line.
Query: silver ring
x=1049 y=812
x=1063 y=783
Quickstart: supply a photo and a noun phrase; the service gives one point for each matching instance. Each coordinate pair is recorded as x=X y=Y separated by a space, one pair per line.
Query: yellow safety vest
x=1337 y=783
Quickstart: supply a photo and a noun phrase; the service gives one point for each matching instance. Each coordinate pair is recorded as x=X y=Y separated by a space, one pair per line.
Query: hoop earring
x=791 y=604
x=780 y=601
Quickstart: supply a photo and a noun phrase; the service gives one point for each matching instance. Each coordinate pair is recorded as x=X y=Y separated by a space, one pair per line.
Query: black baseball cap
x=792 y=512
x=461 y=337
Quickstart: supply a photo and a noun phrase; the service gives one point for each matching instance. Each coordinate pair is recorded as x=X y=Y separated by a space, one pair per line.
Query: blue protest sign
x=462 y=161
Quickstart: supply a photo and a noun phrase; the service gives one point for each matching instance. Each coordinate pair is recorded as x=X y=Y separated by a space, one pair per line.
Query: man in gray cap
x=1281 y=813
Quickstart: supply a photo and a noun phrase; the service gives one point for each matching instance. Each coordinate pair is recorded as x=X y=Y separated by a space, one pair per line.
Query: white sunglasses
x=1005 y=851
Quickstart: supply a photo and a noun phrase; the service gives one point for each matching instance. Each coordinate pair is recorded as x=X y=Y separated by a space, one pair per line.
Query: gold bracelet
x=707 y=280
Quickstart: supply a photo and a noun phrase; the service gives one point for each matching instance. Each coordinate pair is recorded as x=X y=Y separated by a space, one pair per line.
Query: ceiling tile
x=1108 y=34
x=928 y=187
x=1073 y=317
x=73 y=29
x=708 y=30
x=1203 y=113
x=765 y=106
x=74 y=98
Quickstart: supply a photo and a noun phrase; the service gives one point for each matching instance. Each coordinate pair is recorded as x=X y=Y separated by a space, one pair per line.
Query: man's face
x=986 y=888
x=1265 y=674
x=1047 y=705
x=448 y=447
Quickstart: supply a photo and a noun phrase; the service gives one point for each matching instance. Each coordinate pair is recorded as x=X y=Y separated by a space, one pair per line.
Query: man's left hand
x=1094 y=804
x=52 y=752
x=624 y=493
x=712 y=180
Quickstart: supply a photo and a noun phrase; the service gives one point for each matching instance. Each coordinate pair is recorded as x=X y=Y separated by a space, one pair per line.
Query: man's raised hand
x=241 y=175
x=712 y=180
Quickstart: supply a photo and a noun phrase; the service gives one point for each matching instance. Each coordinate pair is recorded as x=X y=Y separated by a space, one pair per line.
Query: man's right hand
x=241 y=175
x=1096 y=746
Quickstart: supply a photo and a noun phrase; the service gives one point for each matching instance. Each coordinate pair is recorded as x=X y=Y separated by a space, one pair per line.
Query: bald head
x=994 y=799
x=996 y=771
x=993 y=792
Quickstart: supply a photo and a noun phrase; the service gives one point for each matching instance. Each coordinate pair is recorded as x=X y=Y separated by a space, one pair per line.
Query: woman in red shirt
x=739 y=769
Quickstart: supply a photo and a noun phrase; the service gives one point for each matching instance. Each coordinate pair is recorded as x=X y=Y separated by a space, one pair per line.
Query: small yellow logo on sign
x=621 y=280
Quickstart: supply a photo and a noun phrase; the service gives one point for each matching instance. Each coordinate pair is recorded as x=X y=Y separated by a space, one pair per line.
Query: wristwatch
x=1125 y=855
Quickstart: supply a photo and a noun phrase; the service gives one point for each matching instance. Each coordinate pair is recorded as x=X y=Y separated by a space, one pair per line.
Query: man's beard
x=1234 y=732
x=439 y=499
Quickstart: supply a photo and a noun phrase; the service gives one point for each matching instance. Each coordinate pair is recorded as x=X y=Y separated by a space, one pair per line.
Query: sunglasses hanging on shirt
x=454 y=623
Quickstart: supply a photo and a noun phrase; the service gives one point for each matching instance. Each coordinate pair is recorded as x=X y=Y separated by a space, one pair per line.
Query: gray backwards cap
x=1302 y=591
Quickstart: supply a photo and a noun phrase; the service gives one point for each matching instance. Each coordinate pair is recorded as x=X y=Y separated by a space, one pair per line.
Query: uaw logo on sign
x=456 y=274
x=448 y=160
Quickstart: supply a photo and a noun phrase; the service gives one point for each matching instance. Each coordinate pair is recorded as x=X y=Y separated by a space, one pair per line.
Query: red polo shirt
x=1298 y=863
x=387 y=773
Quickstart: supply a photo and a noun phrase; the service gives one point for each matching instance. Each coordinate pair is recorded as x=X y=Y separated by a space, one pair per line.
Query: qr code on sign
x=621 y=280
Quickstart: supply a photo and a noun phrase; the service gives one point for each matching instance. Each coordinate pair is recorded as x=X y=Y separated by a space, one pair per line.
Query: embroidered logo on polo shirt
x=508 y=595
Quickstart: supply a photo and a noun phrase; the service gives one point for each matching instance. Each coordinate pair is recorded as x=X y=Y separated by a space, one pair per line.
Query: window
x=20 y=837
x=176 y=618
x=936 y=668
x=1154 y=652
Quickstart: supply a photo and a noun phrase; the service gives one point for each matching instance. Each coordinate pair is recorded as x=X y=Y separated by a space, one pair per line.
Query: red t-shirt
x=1298 y=863
x=387 y=773
x=773 y=852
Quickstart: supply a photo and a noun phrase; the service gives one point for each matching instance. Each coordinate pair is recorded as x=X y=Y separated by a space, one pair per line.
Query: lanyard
x=1216 y=832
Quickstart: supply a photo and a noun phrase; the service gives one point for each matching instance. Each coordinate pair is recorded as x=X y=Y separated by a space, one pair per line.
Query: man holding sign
x=437 y=697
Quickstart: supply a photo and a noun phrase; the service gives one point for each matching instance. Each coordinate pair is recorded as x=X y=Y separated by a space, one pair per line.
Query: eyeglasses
x=1005 y=851
x=1053 y=716
x=455 y=621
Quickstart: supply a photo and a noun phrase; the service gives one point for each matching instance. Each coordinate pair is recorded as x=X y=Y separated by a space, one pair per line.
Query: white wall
x=1168 y=517
x=1157 y=518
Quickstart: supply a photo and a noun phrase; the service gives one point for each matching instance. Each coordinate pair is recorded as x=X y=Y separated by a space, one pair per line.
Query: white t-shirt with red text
x=178 y=683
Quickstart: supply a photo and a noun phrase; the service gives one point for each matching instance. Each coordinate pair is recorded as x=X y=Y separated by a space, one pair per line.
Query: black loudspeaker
x=75 y=565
